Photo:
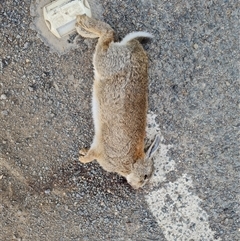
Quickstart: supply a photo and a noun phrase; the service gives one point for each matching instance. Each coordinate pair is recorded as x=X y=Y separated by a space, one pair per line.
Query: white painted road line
x=176 y=209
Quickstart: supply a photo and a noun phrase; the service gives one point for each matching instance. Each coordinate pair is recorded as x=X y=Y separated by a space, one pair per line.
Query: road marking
x=162 y=164
x=176 y=209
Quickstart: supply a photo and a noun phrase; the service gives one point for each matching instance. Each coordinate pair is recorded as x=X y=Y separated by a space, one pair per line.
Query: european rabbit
x=119 y=103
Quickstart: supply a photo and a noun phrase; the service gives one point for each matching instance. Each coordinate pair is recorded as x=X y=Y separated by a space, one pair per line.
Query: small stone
x=195 y=46
x=3 y=97
x=19 y=213
x=26 y=45
x=228 y=12
x=27 y=60
x=55 y=86
x=227 y=83
x=47 y=191
x=71 y=77
x=30 y=88
x=4 y=112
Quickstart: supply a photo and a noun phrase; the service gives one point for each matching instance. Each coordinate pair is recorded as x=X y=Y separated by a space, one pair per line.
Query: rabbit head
x=142 y=169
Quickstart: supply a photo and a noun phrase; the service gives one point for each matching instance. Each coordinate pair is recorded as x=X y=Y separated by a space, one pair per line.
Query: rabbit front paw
x=86 y=155
x=83 y=153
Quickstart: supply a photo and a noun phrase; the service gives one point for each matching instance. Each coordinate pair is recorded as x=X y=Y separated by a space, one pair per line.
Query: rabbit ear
x=153 y=148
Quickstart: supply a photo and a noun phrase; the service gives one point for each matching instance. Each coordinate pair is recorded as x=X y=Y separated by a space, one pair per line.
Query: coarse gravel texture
x=45 y=117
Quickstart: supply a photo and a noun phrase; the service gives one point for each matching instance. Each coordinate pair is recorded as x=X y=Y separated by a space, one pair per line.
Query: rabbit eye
x=145 y=177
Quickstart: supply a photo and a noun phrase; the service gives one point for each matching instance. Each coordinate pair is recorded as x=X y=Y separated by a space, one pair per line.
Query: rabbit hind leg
x=95 y=28
x=84 y=33
x=92 y=25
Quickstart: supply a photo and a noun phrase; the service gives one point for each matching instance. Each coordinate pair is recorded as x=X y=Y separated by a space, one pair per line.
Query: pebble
x=71 y=77
x=3 y=97
x=26 y=45
x=47 y=191
x=56 y=86
x=30 y=88
x=4 y=112
x=195 y=46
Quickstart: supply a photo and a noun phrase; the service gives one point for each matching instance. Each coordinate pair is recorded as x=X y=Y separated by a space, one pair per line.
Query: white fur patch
x=96 y=117
x=134 y=35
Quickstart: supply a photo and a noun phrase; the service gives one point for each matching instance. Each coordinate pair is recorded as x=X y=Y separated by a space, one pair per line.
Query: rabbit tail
x=134 y=35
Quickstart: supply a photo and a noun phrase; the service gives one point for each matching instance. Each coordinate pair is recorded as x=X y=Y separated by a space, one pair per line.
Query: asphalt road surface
x=45 y=118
